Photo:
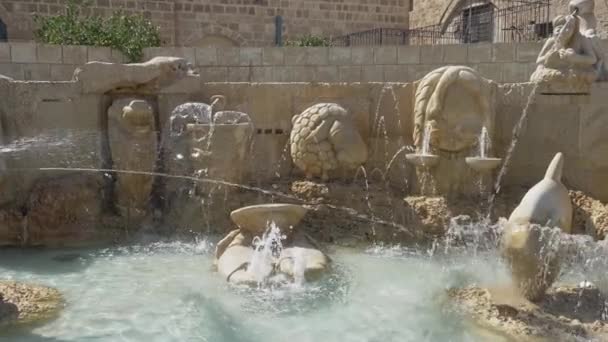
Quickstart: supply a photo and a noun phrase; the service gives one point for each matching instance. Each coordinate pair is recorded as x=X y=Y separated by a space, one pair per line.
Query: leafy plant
x=309 y=40
x=128 y=33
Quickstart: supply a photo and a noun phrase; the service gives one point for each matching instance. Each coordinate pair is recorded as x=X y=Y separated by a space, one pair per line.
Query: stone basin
x=424 y=160
x=483 y=164
x=255 y=218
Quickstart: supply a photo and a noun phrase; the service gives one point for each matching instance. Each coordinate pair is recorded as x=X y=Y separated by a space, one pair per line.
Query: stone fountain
x=267 y=241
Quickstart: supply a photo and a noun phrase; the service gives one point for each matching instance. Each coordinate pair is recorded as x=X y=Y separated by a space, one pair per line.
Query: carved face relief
x=455 y=103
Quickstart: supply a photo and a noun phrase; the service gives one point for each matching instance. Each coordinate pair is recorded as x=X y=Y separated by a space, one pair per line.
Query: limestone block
x=340 y=56
x=228 y=56
x=5 y=52
x=362 y=55
x=455 y=54
x=61 y=72
x=324 y=138
x=100 y=54
x=49 y=54
x=273 y=56
x=295 y=56
x=240 y=74
x=385 y=55
x=503 y=52
x=326 y=74
x=23 y=52
x=206 y=56
x=372 y=73
x=157 y=73
x=349 y=73
x=37 y=72
x=132 y=137
x=214 y=74
x=479 y=53
x=250 y=56
x=317 y=55
x=73 y=54
x=408 y=55
x=431 y=54
x=12 y=70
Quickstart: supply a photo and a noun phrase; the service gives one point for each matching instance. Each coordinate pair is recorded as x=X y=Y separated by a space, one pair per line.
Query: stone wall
x=499 y=62
x=227 y=22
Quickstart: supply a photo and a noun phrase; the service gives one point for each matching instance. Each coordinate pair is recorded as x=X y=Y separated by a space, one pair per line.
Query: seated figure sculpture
x=255 y=253
x=585 y=10
x=324 y=138
x=530 y=241
x=567 y=61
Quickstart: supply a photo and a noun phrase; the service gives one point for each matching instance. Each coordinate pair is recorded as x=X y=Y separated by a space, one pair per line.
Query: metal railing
x=501 y=21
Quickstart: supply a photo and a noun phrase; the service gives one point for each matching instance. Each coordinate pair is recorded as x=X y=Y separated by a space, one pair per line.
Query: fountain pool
x=165 y=292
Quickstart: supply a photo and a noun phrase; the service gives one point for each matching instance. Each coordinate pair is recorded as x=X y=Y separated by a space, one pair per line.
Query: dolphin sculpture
x=531 y=238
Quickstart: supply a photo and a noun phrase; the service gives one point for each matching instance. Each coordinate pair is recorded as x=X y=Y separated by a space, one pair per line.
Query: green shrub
x=309 y=40
x=127 y=33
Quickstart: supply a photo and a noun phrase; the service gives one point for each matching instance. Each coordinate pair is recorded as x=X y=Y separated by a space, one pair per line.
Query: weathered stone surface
x=567 y=62
x=27 y=304
x=454 y=102
x=547 y=203
x=565 y=314
x=590 y=216
x=132 y=137
x=65 y=211
x=157 y=73
x=324 y=138
x=531 y=237
x=255 y=219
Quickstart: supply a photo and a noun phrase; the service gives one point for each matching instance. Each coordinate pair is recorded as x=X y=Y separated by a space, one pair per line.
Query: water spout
x=484 y=142
x=426 y=140
x=267 y=253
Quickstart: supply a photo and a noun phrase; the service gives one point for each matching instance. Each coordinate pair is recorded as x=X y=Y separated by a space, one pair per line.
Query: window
x=478 y=24
x=411 y=5
x=3 y=33
x=543 y=30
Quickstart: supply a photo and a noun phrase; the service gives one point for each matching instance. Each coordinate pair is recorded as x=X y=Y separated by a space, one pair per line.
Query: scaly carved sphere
x=324 y=138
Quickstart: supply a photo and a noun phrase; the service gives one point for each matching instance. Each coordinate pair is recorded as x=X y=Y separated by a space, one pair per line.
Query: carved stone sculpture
x=157 y=73
x=324 y=138
x=133 y=144
x=585 y=10
x=530 y=241
x=454 y=103
x=567 y=61
x=300 y=256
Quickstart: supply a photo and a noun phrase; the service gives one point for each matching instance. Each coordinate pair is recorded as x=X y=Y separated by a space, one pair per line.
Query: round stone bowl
x=483 y=164
x=256 y=218
x=424 y=160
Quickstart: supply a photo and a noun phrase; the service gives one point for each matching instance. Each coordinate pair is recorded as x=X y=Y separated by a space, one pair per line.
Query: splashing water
x=509 y=155
x=268 y=250
x=426 y=140
x=484 y=142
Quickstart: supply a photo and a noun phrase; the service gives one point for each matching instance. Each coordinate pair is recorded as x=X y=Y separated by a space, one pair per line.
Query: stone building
x=493 y=20
x=225 y=22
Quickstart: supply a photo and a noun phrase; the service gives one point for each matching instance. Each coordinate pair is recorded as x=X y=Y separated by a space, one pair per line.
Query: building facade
x=495 y=20
x=225 y=22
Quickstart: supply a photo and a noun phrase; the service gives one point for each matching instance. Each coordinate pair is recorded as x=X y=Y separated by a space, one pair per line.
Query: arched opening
x=215 y=40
